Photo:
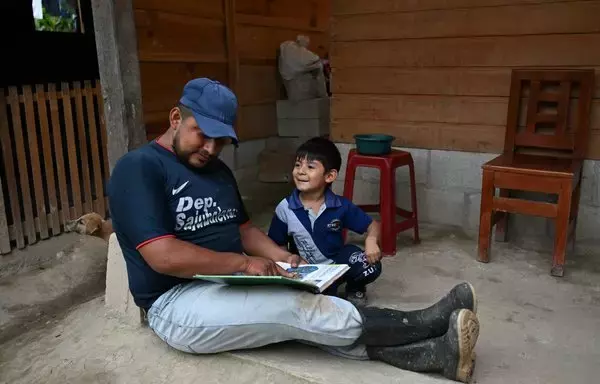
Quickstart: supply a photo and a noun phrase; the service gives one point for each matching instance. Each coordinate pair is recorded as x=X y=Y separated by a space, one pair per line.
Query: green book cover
x=259 y=280
x=309 y=277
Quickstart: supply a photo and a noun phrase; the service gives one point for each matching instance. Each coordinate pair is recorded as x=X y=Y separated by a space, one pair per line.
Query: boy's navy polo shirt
x=153 y=195
x=318 y=243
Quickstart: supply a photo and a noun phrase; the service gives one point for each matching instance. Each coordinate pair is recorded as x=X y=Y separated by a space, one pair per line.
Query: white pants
x=202 y=317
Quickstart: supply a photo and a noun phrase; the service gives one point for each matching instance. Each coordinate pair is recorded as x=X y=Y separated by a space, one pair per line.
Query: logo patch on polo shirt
x=335 y=225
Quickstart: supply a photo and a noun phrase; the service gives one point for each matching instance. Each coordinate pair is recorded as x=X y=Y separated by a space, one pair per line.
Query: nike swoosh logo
x=177 y=190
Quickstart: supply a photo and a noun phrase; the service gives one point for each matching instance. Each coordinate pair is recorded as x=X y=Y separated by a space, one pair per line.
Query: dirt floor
x=39 y=283
x=535 y=328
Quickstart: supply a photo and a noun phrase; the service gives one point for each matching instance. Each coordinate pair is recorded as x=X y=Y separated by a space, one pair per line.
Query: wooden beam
x=524 y=207
x=233 y=58
x=279 y=22
x=116 y=44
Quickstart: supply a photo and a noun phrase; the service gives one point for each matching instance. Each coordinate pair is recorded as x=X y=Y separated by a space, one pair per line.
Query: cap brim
x=214 y=128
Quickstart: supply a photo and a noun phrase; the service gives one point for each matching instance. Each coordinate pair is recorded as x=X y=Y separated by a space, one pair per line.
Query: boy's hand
x=295 y=260
x=372 y=251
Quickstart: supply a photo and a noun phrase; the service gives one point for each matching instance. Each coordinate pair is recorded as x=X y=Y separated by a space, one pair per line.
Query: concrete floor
x=534 y=328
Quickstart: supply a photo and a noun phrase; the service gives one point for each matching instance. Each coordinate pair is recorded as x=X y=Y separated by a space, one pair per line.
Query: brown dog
x=91 y=224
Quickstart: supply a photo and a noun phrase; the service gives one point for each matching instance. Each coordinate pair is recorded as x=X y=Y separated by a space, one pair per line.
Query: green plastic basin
x=373 y=144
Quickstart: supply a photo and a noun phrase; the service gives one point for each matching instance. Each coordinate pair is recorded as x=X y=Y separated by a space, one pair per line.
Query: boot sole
x=468 y=333
x=474 y=297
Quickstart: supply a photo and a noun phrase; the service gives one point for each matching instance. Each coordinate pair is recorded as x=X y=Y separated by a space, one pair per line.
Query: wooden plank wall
x=177 y=41
x=261 y=26
x=436 y=73
x=232 y=41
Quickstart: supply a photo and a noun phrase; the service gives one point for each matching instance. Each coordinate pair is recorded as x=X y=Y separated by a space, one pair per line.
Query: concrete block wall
x=449 y=193
x=243 y=160
x=303 y=118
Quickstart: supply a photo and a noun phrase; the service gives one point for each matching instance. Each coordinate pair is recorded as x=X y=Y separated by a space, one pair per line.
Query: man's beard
x=184 y=156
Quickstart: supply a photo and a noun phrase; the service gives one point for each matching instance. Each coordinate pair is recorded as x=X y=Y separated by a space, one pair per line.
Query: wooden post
x=233 y=65
x=233 y=59
x=116 y=45
x=4 y=235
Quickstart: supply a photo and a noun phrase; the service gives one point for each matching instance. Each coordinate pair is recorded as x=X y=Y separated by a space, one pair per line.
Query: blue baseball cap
x=213 y=105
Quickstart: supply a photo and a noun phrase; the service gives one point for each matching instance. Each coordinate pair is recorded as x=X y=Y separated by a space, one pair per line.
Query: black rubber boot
x=451 y=355
x=384 y=327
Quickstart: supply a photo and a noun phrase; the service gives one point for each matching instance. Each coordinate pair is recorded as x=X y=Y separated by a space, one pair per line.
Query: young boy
x=310 y=221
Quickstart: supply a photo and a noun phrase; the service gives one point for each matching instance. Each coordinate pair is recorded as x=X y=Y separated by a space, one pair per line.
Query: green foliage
x=57 y=23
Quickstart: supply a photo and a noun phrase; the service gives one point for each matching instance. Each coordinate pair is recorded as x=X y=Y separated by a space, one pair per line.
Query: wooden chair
x=543 y=152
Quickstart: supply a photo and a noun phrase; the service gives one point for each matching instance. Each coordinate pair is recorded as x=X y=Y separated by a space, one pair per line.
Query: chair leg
x=562 y=229
x=575 y=214
x=485 y=219
x=413 y=201
x=387 y=201
x=502 y=224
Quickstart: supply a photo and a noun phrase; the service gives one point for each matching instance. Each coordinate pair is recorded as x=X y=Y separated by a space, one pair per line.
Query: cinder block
x=304 y=109
x=530 y=231
x=588 y=223
x=285 y=144
x=472 y=211
x=403 y=196
x=538 y=233
x=421 y=160
x=275 y=167
x=535 y=239
x=450 y=169
x=287 y=127
x=344 y=148
x=442 y=206
x=228 y=156
x=118 y=298
x=371 y=175
x=246 y=155
x=247 y=174
x=364 y=192
x=590 y=184
x=420 y=157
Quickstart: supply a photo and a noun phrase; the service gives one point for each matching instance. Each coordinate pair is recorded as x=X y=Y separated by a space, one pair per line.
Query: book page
x=317 y=274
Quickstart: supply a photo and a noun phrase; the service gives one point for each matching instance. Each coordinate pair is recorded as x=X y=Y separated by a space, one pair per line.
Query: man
x=177 y=212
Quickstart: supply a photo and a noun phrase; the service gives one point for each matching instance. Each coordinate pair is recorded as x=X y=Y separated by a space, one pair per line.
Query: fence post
x=4 y=234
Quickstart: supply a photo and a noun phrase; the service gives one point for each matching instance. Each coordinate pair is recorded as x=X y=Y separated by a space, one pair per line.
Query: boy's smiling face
x=310 y=175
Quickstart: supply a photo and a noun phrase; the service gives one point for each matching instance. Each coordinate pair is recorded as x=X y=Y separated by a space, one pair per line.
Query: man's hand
x=372 y=251
x=295 y=260
x=260 y=266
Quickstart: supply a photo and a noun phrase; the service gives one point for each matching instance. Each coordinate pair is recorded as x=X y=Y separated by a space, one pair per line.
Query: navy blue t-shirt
x=154 y=195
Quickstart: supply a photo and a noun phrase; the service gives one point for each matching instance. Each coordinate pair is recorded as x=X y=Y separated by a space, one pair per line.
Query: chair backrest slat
x=546 y=99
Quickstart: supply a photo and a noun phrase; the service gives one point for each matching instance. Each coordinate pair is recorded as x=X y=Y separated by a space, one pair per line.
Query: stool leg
x=349 y=187
x=413 y=201
x=388 y=212
x=349 y=181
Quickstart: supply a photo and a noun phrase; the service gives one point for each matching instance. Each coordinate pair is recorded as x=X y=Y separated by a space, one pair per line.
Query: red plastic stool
x=387 y=208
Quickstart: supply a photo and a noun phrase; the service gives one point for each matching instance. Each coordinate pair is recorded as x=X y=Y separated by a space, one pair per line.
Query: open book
x=310 y=277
